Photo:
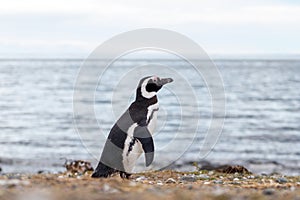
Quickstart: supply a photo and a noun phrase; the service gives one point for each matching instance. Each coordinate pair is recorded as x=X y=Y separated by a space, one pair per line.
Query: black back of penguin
x=135 y=116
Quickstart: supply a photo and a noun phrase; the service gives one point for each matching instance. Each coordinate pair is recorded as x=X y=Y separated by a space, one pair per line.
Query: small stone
x=269 y=191
x=188 y=178
x=251 y=177
x=206 y=183
x=140 y=179
x=159 y=183
x=132 y=184
x=218 y=181
x=14 y=176
x=236 y=179
x=281 y=180
x=170 y=180
x=210 y=173
x=13 y=182
x=203 y=176
x=244 y=178
x=106 y=188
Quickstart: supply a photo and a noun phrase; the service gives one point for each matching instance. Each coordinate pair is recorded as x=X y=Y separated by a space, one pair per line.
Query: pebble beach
x=167 y=184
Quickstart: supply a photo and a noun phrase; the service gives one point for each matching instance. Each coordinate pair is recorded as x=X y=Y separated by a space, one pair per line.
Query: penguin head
x=150 y=85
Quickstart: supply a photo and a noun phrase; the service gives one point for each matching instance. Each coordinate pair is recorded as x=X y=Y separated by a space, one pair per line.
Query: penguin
x=132 y=134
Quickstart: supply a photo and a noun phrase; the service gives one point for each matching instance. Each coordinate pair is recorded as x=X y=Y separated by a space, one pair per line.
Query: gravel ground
x=151 y=185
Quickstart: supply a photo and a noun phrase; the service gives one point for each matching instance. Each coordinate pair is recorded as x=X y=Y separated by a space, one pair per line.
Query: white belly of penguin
x=130 y=157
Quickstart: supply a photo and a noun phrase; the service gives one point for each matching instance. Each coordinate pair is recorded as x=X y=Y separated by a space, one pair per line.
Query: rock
x=188 y=178
x=269 y=191
x=159 y=183
x=13 y=182
x=170 y=180
x=211 y=173
x=132 y=184
x=203 y=176
x=108 y=189
x=251 y=177
x=281 y=180
x=236 y=179
x=140 y=179
x=218 y=181
x=14 y=176
x=206 y=183
x=236 y=183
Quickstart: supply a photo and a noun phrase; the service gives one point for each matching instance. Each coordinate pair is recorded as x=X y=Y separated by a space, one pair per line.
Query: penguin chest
x=152 y=117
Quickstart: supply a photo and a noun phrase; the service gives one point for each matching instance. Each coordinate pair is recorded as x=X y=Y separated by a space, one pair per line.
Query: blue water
x=261 y=130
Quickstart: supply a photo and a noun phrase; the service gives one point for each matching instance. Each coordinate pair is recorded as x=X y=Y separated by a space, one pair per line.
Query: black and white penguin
x=132 y=134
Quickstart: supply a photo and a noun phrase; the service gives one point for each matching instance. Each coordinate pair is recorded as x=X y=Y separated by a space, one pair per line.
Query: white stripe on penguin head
x=145 y=93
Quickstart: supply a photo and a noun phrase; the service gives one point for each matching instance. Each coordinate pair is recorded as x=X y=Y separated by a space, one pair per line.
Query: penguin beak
x=164 y=81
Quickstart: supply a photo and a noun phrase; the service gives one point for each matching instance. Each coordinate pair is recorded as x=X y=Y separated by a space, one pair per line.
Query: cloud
x=161 y=12
x=221 y=26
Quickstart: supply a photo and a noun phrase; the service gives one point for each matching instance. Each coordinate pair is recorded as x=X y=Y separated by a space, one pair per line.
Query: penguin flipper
x=142 y=134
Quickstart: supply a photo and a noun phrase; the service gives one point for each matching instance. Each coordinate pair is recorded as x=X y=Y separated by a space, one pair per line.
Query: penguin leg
x=103 y=171
x=124 y=175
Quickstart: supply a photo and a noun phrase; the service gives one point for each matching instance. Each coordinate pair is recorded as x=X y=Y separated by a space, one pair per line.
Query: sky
x=74 y=28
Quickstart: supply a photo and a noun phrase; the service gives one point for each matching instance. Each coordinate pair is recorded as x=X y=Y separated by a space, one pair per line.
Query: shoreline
x=257 y=167
x=166 y=184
